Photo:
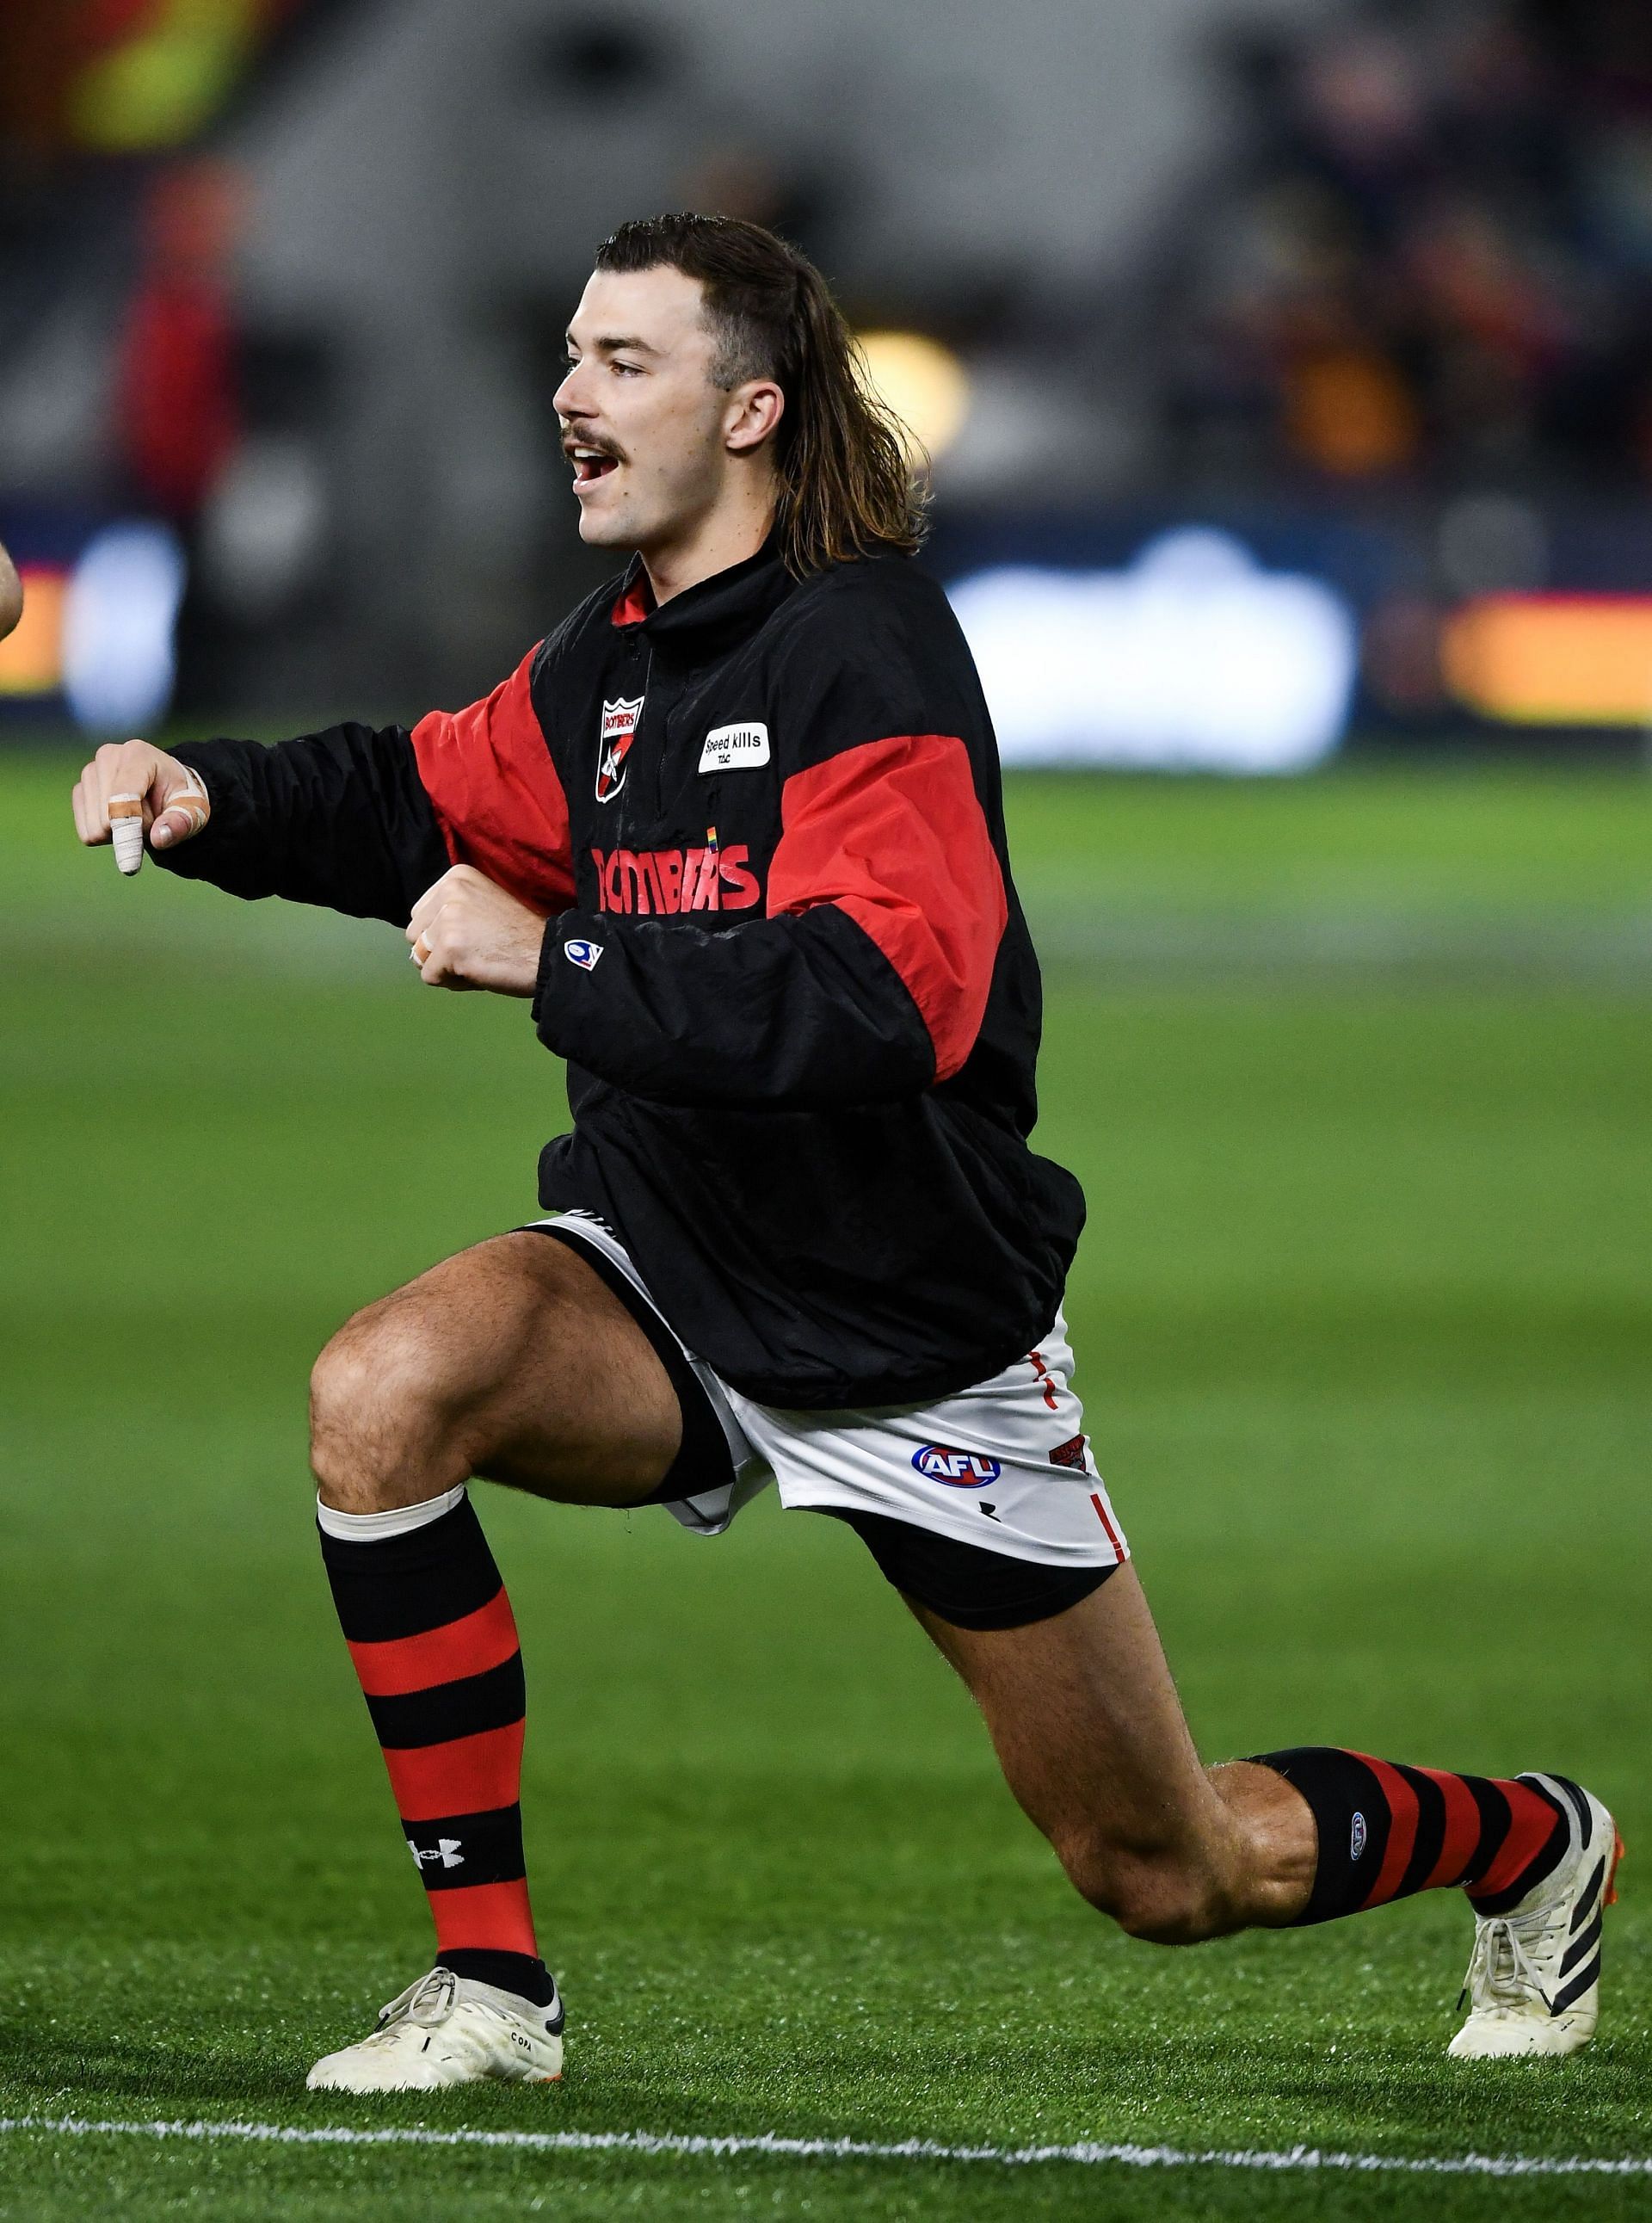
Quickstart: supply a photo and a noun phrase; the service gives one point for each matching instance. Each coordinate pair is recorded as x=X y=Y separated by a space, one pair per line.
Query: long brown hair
x=848 y=487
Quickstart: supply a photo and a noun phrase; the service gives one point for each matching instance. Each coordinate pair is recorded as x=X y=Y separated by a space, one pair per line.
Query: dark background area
x=1363 y=287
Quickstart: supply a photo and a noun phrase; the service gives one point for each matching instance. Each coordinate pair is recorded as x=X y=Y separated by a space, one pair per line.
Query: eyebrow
x=611 y=343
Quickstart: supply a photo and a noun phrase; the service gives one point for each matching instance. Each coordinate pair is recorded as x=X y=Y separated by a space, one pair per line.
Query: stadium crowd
x=1431 y=250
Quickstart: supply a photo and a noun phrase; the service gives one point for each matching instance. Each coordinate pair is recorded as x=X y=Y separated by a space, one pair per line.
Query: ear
x=753 y=411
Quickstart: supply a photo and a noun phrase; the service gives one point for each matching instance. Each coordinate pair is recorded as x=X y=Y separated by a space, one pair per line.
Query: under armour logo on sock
x=445 y=1849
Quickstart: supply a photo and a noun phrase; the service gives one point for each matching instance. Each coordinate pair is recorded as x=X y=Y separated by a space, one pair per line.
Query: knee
x=1164 y=1895
x=379 y=1403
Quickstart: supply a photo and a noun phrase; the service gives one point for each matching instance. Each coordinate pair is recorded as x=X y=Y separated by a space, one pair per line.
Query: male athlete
x=735 y=831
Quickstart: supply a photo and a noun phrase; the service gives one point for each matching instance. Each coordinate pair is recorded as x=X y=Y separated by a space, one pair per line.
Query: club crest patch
x=619 y=730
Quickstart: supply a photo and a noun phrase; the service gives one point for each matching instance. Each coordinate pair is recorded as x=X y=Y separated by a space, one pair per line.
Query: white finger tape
x=192 y=800
x=126 y=827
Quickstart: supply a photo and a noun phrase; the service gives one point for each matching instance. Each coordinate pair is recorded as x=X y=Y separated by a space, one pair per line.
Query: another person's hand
x=467 y=933
x=139 y=788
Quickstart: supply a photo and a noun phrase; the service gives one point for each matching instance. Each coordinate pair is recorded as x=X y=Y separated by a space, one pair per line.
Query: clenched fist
x=137 y=789
x=466 y=933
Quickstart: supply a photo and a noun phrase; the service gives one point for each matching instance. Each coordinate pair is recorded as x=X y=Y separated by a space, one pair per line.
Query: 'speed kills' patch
x=735 y=748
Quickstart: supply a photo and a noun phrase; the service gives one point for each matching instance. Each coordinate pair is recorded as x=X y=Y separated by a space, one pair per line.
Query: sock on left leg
x=1387 y=1831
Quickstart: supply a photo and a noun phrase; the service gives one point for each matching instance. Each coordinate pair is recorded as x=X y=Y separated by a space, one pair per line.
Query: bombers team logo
x=617 y=731
x=958 y=1470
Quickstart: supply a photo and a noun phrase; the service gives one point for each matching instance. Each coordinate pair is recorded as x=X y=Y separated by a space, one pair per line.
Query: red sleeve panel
x=893 y=833
x=495 y=793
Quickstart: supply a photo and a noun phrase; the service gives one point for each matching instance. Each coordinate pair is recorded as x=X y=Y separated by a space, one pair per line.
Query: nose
x=566 y=401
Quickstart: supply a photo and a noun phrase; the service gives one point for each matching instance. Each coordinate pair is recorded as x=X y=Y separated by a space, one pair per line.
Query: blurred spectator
x=1433 y=252
x=178 y=398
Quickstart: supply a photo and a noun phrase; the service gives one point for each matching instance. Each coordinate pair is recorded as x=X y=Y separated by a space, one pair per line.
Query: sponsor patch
x=1357 y=1837
x=958 y=1470
x=1071 y=1453
x=582 y=953
x=616 y=734
x=735 y=748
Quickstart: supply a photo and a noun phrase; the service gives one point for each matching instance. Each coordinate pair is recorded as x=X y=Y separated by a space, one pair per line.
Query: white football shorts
x=1004 y=1464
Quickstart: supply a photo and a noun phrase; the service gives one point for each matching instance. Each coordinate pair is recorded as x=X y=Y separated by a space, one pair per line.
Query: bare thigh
x=512 y=1361
x=1093 y=1743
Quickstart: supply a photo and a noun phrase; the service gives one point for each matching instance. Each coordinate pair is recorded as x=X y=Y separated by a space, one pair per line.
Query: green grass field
x=1357 y=1075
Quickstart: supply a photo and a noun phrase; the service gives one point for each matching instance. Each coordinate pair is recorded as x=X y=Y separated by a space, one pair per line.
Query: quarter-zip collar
x=711 y=617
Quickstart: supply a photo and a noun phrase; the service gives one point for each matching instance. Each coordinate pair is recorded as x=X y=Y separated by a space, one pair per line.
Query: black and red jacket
x=783 y=959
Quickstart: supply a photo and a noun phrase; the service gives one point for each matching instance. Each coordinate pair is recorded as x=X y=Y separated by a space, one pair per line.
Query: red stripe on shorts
x=1113 y=1536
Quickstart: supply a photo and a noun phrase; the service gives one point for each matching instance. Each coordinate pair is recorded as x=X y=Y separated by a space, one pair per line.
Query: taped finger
x=191 y=803
x=126 y=825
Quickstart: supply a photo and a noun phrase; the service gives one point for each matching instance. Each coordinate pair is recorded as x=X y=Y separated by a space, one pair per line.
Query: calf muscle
x=512 y=1360
x=1091 y=1737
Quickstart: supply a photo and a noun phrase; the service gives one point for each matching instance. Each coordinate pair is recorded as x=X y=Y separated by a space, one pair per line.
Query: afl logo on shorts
x=583 y=953
x=958 y=1470
x=618 y=731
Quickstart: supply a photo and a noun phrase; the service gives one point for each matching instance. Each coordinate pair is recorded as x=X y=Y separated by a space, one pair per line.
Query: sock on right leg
x=1387 y=1831
x=431 y=1630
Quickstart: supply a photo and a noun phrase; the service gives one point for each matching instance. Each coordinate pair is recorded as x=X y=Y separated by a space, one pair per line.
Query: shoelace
x=1504 y=1964
x=429 y=2001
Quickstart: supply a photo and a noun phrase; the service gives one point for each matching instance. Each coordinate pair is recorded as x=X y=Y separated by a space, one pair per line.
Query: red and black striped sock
x=431 y=1631
x=1387 y=1831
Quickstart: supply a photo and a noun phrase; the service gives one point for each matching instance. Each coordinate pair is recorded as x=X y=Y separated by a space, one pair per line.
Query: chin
x=598 y=531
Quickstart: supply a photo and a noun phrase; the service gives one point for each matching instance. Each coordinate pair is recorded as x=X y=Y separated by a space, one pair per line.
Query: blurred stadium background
x=1287 y=367
x=1287 y=364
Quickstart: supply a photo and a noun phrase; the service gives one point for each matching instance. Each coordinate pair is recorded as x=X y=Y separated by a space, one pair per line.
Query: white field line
x=1087 y=2153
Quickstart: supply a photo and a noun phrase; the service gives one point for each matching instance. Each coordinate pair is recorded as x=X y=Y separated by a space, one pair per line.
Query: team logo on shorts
x=958 y=1470
x=618 y=731
x=1071 y=1453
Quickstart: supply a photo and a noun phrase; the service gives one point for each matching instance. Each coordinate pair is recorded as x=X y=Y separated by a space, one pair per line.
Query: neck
x=734 y=530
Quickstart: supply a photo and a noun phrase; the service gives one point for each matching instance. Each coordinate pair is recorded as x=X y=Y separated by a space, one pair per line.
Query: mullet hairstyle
x=849 y=478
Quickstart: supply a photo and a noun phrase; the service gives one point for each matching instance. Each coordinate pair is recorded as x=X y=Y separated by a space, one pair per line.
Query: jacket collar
x=705 y=620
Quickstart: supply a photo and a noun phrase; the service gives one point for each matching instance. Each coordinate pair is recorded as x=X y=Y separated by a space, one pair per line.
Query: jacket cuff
x=229 y=820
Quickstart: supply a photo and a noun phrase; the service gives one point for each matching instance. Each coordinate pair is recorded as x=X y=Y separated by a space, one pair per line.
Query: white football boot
x=450 y=2029
x=1534 y=1977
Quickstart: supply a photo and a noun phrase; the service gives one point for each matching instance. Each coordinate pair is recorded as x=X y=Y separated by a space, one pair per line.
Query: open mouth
x=591 y=464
